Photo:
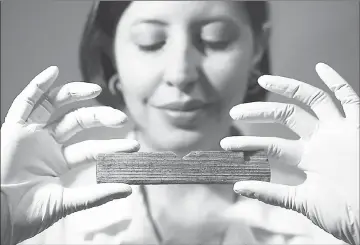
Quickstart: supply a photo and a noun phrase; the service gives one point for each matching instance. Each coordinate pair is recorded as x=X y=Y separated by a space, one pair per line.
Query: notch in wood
x=198 y=167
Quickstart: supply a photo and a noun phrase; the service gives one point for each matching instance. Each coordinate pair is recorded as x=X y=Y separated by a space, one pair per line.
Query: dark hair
x=97 y=56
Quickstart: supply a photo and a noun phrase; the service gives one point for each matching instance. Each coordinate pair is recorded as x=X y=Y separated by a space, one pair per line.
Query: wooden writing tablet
x=198 y=167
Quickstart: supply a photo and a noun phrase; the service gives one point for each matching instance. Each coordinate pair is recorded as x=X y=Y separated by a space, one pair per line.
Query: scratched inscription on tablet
x=198 y=167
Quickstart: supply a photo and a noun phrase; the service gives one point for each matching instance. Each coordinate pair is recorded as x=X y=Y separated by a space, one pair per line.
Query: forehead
x=188 y=11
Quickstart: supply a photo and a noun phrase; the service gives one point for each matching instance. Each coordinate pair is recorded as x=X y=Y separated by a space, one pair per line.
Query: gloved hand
x=327 y=151
x=33 y=158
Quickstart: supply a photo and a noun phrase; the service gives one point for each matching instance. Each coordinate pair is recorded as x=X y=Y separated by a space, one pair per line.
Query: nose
x=183 y=64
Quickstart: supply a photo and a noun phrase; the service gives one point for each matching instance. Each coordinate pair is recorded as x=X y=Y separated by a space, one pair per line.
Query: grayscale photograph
x=180 y=122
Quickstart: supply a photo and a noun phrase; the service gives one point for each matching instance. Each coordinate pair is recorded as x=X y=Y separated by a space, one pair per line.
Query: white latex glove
x=33 y=158
x=327 y=151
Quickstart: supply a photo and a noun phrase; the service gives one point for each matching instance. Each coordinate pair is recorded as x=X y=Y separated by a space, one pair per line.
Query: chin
x=181 y=138
x=182 y=141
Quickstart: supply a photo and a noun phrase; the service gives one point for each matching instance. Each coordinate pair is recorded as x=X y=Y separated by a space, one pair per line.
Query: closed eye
x=216 y=45
x=152 y=47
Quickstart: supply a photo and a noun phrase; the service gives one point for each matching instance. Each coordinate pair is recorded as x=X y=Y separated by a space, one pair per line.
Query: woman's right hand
x=34 y=159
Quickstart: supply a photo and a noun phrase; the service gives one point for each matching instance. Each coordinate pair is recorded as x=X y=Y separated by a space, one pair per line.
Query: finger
x=318 y=100
x=81 y=198
x=280 y=150
x=292 y=116
x=269 y=193
x=72 y=92
x=87 y=117
x=61 y=96
x=26 y=100
x=342 y=90
x=86 y=152
x=41 y=113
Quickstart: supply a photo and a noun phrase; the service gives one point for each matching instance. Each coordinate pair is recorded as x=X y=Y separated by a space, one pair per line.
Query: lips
x=189 y=105
x=187 y=114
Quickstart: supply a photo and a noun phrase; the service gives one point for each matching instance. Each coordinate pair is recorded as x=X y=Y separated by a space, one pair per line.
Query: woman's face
x=182 y=66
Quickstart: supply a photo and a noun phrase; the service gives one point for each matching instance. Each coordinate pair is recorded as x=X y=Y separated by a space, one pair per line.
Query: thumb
x=81 y=198
x=274 y=194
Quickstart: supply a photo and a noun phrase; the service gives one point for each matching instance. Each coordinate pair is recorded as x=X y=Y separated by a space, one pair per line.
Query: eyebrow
x=225 y=19
x=205 y=21
x=150 y=21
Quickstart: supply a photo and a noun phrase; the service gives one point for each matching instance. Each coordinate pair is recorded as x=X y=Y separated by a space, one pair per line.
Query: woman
x=178 y=67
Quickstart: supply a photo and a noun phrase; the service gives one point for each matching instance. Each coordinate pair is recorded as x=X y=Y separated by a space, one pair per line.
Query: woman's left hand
x=327 y=151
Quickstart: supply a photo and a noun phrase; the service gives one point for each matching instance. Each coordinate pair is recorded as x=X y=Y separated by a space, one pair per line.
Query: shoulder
x=270 y=224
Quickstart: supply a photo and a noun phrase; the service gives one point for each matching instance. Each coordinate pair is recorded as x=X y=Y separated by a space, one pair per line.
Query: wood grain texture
x=198 y=167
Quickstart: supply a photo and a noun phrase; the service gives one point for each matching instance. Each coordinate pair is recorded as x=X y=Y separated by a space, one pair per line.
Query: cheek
x=228 y=74
x=139 y=76
x=139 y=79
